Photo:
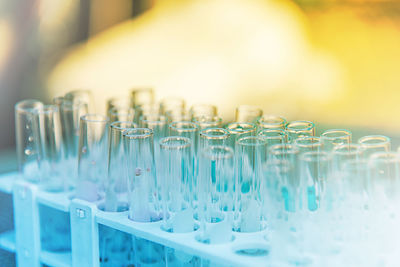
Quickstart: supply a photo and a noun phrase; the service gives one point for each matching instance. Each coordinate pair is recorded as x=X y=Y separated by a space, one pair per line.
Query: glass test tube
x=271 y=122
x=315 y=170
x=208 y=121
x=118 y=102
x=50 y=149
x=238 y=130
x=116 y=184
x=172 y=104
x=70 y=113
x=215 y=191
x=92 y=157
x=298 y=129
x=122 y=114
x=345 y=152
x=175 y=194
x=283 y=158
x=213 y=137
x=374 y=143
x=177 y=115
x=142 y=96
x=142 y=184
x=334 y=137
x=247 y=113
x=82 y=96
x=200 y=110
x=385 y=176
x=27 y=140
x=250 y=158
x=273 y=136
x=308 y=143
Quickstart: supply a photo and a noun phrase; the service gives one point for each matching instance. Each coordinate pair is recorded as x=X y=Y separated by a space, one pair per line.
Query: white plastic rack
x=85 y=219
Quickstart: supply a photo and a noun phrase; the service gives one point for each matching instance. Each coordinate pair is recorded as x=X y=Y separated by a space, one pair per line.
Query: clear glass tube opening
x=207 y=121
x=334 y=137
x=273 y=136
x=121 y=114
x=200 y=110
x=308 y=144
x=238 y=130
x=271 y=122
x=247 y=113
x=298 y=129
x=374 y=143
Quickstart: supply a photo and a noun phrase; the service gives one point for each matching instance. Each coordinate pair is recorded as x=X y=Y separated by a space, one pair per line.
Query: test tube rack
x=85 y=218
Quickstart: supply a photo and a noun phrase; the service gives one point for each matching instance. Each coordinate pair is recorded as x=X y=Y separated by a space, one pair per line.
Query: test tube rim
x=322 y=156
x=280 y=120
x=356 y=149
x=32 y=104
x=363 y=140
x=114 y=125
x=326 y=134
x=146 y=133
x=290 y=128
x=154 y=122
x=235 y=131
x=302 y=138
x=293 y=149
x=260 y=141
x=176 y=147
x=225 y=135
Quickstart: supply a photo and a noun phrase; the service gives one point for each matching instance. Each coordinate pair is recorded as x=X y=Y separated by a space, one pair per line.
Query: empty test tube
x=334 y=137
x=170 y=104
x=374 y=143
x=250 y=157
x=175 y=188
x=213 y=137
x=52 y=176
x=215 y=192
x=142 y=96
x=298 y=129
x=82 y=96
x=200 y=110
x=207 y=121
x=273 y=136
x=118 y=102
x=345 y=152
x=26 y=139
x=271 y=122
x=308 y=144
x=247 y=113
x=92 y=158
x=116 y=183
x=122 y=114
x=238 y=130
x=142 y=184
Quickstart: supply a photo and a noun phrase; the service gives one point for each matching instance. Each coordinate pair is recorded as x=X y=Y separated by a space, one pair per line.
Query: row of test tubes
x=308 y=196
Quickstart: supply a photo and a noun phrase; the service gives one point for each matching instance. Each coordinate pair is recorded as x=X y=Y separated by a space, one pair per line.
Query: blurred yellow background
x=333 y=62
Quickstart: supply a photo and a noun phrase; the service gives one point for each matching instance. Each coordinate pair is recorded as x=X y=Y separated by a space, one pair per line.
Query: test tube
x=345 y=152
x=121 y=114
x=172 y=104
x=274 y=136
x=298 y=129
x=82 y=96
x=26 y=139
x=175 y=194
x=50 y=149
x=315 y=170
x=250 y=157
x=268 y=122
x=208 y=121
x=247 y=113
x=142 y=96
x=385 y=176
x=213 y=137
x=238 y=130
x=118 y=102
x=177 y=115
x=116 y=184
x=374 y=143
x=308 y=144
x=284 y=158
x=142 y=184
x=70 y=113
x=200 y=110
x=215 y=191
x=92 y=157
x=334 y=137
